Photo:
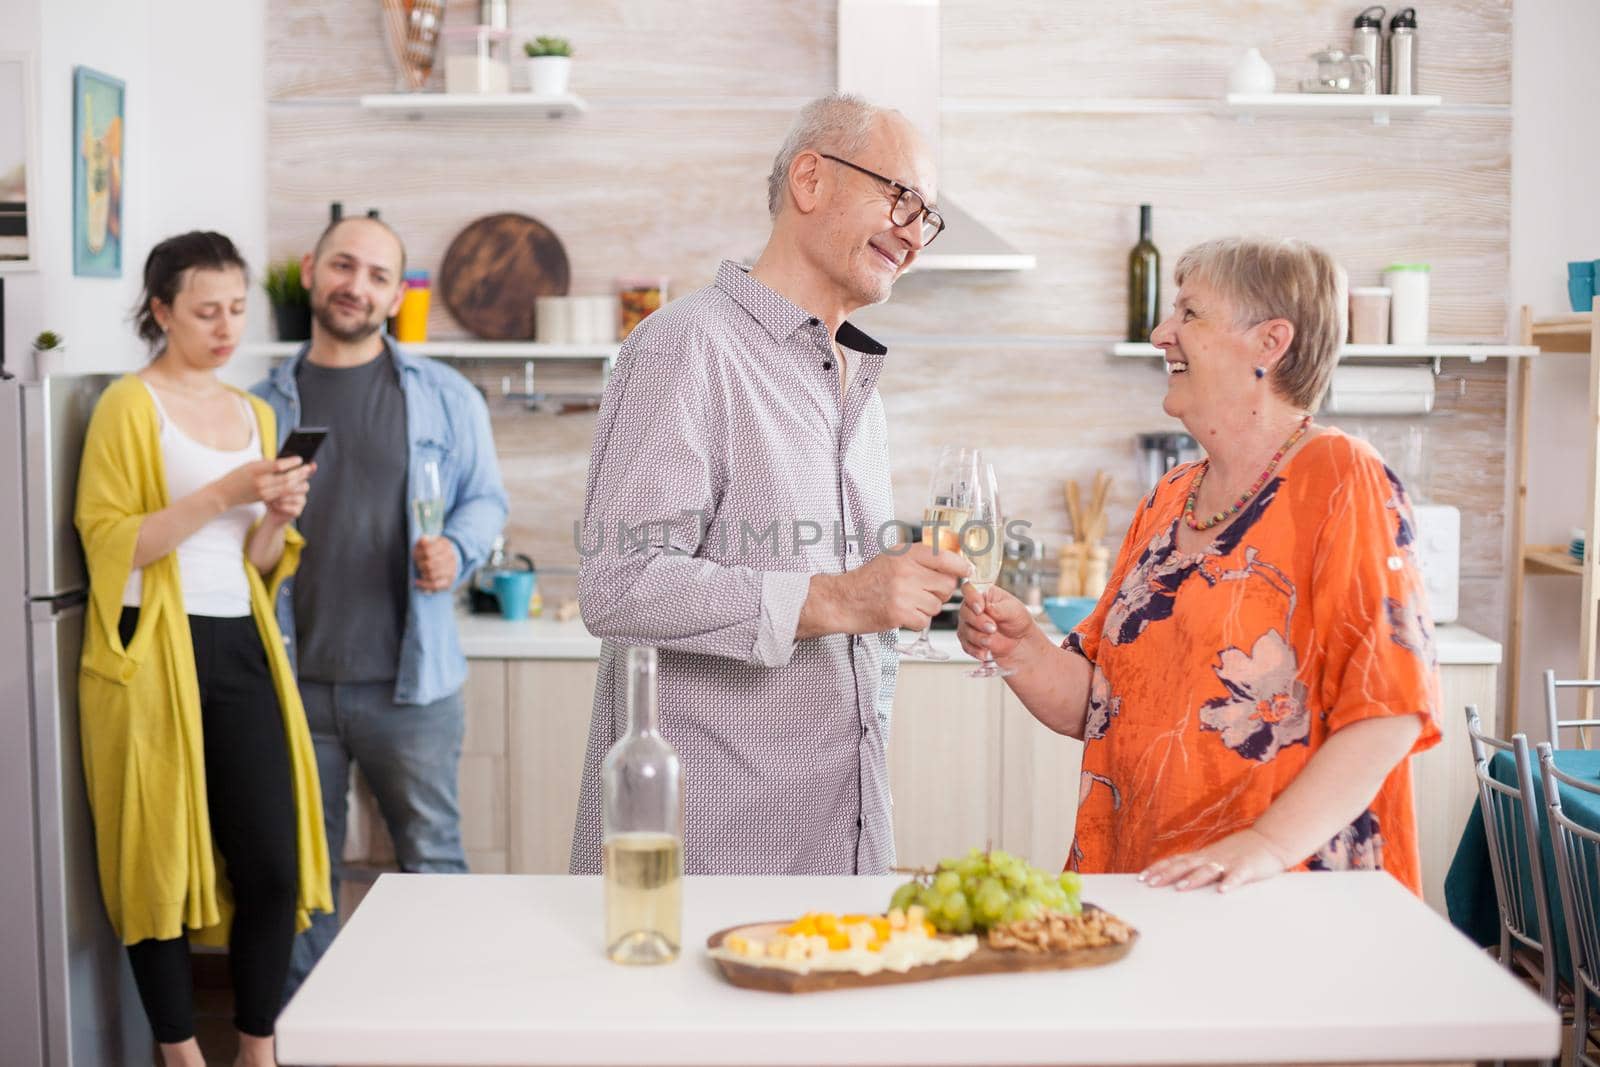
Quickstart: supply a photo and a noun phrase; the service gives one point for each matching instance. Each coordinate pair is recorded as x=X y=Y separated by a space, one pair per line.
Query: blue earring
x=1261 y=372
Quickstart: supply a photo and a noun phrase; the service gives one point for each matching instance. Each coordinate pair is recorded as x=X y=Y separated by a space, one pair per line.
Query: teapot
x=1338 y=71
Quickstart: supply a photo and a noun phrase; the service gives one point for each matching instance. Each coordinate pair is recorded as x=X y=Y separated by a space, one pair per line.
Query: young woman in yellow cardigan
x=207 y=813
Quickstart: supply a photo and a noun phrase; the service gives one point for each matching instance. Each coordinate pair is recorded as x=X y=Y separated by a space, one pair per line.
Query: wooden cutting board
x=495 y=268
x=984 y=961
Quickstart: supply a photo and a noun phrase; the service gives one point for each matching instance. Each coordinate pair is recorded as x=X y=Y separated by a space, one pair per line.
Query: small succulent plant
x=548 y=46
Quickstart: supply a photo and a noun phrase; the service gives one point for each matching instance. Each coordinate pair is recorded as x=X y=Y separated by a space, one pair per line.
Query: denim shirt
x=447 y=422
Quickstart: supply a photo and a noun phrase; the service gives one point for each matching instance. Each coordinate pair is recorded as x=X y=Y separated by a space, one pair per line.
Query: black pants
x=250 y=796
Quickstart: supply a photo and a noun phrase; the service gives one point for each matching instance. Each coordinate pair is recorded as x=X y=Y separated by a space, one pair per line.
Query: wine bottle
x=1144 y=282
x=642 y=827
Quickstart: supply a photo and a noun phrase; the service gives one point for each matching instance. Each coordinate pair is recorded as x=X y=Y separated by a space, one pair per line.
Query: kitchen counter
x=509 y=970
x=491 y=637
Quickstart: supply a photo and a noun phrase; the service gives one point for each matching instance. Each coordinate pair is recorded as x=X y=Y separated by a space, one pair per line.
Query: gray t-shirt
x=351 y=589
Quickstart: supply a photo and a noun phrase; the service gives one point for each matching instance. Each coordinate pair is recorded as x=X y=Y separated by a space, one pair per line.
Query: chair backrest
x=1577 y=851
x=1554 y=724
x=1511 y=824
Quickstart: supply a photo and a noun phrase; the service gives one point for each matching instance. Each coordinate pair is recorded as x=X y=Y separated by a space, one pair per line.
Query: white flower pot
x=547 y=75
x=47 y=361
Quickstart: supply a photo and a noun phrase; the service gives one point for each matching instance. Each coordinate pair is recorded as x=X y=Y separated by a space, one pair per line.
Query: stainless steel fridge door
x=92 y=1011
x=55 y=416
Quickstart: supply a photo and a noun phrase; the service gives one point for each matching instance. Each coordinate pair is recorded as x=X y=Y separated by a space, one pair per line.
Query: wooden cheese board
x=985 y=960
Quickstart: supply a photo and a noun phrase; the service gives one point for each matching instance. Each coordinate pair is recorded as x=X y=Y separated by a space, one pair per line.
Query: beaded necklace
x=1223 y=516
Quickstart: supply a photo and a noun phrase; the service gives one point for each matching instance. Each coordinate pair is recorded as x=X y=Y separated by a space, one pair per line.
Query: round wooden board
x=984 y=961
x=495 y=268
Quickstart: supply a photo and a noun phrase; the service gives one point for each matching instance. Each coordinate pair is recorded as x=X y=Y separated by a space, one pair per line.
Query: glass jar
x=641 y=815
x=411 y=321
x=476 y=60
x=638 y=297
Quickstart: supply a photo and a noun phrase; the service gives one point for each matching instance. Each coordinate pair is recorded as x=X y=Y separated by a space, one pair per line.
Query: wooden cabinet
x=1039 y=790
x=550 y=701
x=944 y=762
x=1442 y=781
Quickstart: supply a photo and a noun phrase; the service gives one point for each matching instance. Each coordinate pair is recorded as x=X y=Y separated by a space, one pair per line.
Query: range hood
x=889 y=54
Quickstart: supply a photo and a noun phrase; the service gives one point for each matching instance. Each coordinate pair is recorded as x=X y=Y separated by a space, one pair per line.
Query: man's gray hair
x=839 y=123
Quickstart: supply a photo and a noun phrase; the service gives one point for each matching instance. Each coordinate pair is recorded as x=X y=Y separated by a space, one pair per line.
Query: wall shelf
x=1551 y=559
x=1477 y=353
x=1564 y=333
x=419 y=104
x=507 y=350
x=1378 y=107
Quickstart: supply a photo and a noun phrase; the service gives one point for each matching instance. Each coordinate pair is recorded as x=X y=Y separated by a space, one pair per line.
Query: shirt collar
x=779 y=316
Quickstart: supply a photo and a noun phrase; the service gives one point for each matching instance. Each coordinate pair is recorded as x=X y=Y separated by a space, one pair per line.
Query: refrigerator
x=66 y=990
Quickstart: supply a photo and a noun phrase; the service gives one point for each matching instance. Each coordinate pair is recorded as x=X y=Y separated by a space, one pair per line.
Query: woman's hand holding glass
x=993 y=621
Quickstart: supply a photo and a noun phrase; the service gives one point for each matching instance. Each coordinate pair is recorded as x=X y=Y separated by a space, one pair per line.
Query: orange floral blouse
x=1219 y=674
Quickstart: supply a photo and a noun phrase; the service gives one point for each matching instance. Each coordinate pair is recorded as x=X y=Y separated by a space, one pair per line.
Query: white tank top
x=211 y=561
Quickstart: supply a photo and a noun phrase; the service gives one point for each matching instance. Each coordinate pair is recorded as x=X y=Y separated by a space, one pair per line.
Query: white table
x=507 y=969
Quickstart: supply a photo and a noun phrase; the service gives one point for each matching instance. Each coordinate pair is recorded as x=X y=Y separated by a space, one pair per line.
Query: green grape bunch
x=987 y=889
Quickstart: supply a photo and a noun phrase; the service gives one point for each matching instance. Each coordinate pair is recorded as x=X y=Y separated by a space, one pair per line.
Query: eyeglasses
x=908 y=203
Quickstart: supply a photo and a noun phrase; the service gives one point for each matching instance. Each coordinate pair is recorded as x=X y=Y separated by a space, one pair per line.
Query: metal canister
x=494 y=13
x=1366 y=40
x=1403 y=52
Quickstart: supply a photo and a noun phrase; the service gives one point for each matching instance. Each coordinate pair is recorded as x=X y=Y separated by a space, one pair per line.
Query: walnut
x=1055 y=932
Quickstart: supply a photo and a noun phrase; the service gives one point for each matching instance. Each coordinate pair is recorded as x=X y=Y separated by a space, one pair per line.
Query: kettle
x=1338 y=72
x=480 y=593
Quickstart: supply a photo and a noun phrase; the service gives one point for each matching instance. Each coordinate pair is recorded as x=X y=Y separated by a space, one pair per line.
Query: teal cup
x=514 y=590
x=1581 y=284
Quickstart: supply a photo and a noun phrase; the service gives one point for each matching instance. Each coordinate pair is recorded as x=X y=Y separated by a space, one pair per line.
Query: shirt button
x=861 y=640
x=813 y=322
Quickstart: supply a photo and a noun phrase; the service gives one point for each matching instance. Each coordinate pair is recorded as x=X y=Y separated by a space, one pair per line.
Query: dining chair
x=1577 y=851
x=1555 y=725
x=1511 y=824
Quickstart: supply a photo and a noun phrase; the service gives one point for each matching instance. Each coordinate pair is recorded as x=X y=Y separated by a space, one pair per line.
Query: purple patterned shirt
x=726 y=470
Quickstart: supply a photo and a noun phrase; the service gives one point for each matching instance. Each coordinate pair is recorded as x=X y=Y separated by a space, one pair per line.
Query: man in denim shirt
x=369 y=616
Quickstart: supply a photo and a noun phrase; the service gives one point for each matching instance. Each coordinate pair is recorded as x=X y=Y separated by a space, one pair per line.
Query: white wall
x=195 y=156
x=1555 y=217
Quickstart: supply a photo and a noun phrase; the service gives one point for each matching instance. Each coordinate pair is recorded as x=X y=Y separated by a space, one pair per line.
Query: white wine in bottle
x=642 y=820
x=644 y=897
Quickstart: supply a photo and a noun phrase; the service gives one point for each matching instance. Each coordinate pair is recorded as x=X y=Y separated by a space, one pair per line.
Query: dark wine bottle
x=335 y=212
x=1144 y=282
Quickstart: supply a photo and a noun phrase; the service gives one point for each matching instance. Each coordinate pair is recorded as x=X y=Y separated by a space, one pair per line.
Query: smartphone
x=303 y=441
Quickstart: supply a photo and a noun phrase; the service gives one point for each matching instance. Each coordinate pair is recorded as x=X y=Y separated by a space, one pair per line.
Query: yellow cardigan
x=140 y=706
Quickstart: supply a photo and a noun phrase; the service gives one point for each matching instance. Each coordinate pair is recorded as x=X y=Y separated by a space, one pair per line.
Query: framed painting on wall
x=19 y=164
x=97 y=154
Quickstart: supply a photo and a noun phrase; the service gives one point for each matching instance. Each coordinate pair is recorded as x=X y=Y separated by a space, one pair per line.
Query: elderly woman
x=1260 y=667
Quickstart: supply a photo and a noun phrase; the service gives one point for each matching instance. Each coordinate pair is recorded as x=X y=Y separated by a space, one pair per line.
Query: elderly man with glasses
x=738 y=516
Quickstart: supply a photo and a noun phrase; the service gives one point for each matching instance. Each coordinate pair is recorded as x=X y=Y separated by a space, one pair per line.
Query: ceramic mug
x=514 y=590
x=1580 y=284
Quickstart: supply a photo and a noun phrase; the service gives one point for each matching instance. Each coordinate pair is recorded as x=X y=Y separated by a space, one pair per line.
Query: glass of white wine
x=428 y=504
x=955 y=476
x=983 y=542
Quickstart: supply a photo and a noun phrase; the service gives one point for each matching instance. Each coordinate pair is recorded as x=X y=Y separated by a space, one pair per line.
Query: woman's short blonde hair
x=1280 y=279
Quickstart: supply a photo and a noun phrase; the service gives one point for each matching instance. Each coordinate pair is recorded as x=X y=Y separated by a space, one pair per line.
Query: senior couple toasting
x=1248 y=689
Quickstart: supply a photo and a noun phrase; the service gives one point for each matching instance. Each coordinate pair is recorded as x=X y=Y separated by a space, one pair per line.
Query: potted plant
x=48 y=348
x=291 y=303
x=549 y=65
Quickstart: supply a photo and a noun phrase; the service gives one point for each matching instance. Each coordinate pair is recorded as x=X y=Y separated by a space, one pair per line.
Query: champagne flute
x=428 y=504
x=955 y=475
x=983 y=542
